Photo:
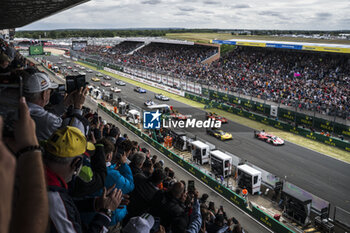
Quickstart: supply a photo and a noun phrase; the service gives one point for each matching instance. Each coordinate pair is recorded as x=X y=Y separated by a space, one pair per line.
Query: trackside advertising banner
x=150 y=83
x=166 y=80
x=235 y=199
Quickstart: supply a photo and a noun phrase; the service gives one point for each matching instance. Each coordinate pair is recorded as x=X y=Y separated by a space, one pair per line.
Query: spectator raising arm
x=30 y=212
x=7 y=177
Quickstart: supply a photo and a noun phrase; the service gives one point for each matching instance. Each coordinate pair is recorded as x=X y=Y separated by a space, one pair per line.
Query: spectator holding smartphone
x=37 y=89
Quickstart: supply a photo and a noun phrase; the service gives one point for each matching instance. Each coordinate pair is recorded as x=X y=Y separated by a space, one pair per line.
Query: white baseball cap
x=141 y=224
x=38 y=82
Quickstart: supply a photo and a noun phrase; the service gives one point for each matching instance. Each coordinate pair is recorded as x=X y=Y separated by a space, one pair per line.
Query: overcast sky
x=253 y=14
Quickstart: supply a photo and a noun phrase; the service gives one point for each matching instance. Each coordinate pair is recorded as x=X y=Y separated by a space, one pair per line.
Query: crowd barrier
x=284 y=114
x=335 y=142
x=234 y=198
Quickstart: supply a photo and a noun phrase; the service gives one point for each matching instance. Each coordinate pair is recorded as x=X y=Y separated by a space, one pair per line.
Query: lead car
x=269 y=138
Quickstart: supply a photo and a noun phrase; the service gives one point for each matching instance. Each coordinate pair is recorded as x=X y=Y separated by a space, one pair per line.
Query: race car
x=269 y=138
x=105 y=84
x=95 y=79
x=89 y=71
x=177 y=116
x=219 y=134
x=115 y=89
x=120 y=83
x=139 y=90
x=107 y=77
x=99 y=75
x=69 y=67
x=149 y=103
x=214 y=116
x=161 y=97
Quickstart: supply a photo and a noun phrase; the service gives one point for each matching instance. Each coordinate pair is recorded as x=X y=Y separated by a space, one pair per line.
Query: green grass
x=206 y=37
x=302 y=141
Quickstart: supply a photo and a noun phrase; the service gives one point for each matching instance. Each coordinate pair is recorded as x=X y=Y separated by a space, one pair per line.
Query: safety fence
x=335 y=142
x=234 y=198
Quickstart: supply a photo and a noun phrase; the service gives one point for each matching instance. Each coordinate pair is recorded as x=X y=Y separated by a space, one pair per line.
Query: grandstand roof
x=17 y=13
x=333 y=48
x=158 y=40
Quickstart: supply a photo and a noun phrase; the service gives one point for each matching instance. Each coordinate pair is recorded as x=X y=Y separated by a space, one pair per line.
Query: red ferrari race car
x=178 y=116
x=269 y=138
x=214 y=116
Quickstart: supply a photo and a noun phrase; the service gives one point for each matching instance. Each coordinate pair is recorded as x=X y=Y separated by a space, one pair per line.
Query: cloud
x=181 y=14
x=323 y=15
x=207 y=12
x=151 y=2
x=272 y=13
x=211 y=3
x=186 y=9
x=241 y=6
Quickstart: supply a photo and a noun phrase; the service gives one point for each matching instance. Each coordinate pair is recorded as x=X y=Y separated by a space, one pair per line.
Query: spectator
x=137 y=162
x=4 y=64
x=218 y=225
x=124 y=149
x=113 y=135
x=147 y=167
x=203 y=201
x=120 y=179
x=145 y=189
x=63 y=159
x=37 y=88
x=170 y=208
x=142 y=224
x=93 y=173
x=30 y=209
x=7 y=178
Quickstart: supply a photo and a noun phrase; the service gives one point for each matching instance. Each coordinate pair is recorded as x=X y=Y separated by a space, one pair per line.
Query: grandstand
x=279 y=83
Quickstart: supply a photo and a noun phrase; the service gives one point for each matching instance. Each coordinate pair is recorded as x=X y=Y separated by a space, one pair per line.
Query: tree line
x=56 y=34
x=68 y=33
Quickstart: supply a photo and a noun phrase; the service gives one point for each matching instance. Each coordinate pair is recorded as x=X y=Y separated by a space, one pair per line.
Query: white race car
x=115 y=89
x=120 y=83
x=149 y=103
x=161 y=97
x=269 y=138
x=105 y=84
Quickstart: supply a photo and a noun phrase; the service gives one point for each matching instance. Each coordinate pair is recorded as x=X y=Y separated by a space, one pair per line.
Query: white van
x=249 y=178
x=220 y=163
x=200 y=152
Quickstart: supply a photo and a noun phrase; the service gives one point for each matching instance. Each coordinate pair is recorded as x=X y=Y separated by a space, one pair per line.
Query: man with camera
x=37 y=88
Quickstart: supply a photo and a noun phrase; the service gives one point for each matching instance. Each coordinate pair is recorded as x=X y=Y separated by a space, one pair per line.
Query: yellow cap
x=67 y=142
x=90 y=146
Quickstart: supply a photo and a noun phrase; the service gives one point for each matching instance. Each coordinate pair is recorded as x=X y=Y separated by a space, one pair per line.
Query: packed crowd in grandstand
x=306 y=80
x=77 y=173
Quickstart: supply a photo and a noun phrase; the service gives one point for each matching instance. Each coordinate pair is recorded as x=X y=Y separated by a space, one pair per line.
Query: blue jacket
x=123 y=179
x=195 y=219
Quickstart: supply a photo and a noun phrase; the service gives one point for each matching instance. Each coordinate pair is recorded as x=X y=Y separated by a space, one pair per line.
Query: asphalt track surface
x=323 y=176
